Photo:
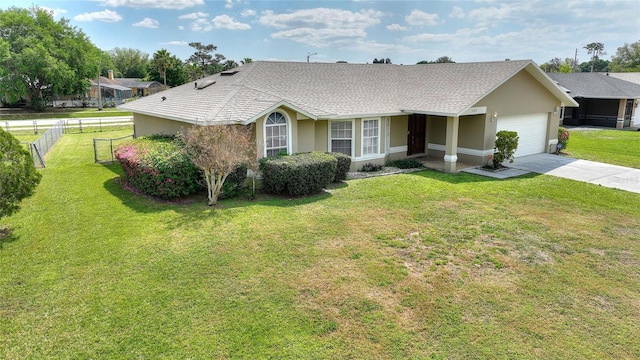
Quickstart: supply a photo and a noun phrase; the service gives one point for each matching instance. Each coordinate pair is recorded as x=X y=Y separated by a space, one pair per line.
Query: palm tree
x=246 y=60
x=229 y=64
x=162 y=61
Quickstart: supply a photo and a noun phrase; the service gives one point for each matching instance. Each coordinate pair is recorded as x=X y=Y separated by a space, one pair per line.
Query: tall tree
x=205 y=58
x=18 y=176
x=129 y=63
x=246 y=60
x=193 y=71
x=217 y=150
x=627 y=58
x=43 y=57
x=440 y=60
x=595 y=49
x=175 y=75
x=162 y=61
x=229 y=64
x=599 y=66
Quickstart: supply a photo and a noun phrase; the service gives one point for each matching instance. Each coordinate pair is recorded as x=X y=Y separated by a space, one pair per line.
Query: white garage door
x=532 y=130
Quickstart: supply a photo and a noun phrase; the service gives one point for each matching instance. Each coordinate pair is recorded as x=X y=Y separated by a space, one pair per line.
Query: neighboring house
x=374 y=113
x=604 y=100
x=120 y=89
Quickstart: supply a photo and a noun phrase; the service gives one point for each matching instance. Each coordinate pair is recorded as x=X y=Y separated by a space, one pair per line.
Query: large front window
x=370 y=137
x=275 y=134
x=341 y=135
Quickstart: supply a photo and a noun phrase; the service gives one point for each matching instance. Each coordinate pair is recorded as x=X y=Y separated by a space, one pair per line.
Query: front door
x=416 y=134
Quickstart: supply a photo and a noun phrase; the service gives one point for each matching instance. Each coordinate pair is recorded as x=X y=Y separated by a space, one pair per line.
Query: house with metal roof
x=371 y=112
x=604 y=100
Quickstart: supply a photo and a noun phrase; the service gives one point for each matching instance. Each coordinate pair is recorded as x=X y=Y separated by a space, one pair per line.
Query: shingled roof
x=597 y=86
x=334 y=91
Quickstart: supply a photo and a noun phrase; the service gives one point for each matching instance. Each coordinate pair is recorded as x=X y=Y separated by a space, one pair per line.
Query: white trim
x=264 y=130
x=353 y=135
x=369 y=157
x=478 y=110
x=359 y=116
x=274 y=108
x=460 y=150
x=379 y=121
x=553 y=142
x=450 y=158
x=423 y=112
x=387 y=134
x=398 y=149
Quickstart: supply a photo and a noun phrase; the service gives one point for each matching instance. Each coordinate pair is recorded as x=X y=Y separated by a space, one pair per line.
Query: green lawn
x=421 y=265
x=616 y=147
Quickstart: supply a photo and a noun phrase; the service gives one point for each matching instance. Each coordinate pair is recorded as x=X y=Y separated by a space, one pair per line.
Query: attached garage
x=531 y=129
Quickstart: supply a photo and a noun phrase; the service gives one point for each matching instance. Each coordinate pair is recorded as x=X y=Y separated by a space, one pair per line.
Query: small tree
x=18 y=176
x=506 y=146
x=218 y=150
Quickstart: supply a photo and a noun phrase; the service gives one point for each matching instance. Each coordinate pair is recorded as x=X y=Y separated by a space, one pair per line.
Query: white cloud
x=248 y=12
x=193 y=16
x=229 y=3
x=175 y=43
x=421 y=18
x=201 y=25
x=104 y=16
x=460 y=37
x=396 y=27
x=156 y=4
x=57 y=13
x=456 y=13
x=321 y=27
x=180 y=27
x=148 y=23
x=322 y=18
x=227 y=22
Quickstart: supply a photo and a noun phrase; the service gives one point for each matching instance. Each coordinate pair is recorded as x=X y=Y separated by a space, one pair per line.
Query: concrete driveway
x=613 y=176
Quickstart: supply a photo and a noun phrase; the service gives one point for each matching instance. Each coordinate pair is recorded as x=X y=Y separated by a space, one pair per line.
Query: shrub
x=342 y=168
x=506 y=146
x=563 y=139
x=409 y=163
x=298 y=174
x=371 y=167
x=158 y=168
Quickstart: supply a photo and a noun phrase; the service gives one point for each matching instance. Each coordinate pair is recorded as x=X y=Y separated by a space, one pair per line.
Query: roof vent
x=229 y=72
x=205 y=84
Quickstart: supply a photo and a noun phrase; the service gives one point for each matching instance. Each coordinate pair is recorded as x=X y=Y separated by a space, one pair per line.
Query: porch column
x=621 y=113
x=451 y=144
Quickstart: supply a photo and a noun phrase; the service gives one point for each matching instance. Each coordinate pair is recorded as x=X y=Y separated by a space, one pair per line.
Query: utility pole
x=309 y=55
x=99 y=92
x=575 y=60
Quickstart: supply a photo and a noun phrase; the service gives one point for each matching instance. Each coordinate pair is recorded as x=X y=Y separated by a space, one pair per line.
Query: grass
x=421 y=265
x=615 y=147
x=55 y=113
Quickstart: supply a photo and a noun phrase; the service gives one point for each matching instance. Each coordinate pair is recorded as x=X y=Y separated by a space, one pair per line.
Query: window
x=275 y=134
x=341 y=135
x=370 y=137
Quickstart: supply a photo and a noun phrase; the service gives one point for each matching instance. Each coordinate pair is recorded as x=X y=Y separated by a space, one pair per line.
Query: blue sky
x=356 y=31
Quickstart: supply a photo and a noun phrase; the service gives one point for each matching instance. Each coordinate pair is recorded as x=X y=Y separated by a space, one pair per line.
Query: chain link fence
x=103 y=148
x=44 y=143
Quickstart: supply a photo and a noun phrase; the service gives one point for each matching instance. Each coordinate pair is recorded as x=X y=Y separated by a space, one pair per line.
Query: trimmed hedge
x=407 y=163
x=158 y=167
x=342 y=168
x=298 y=174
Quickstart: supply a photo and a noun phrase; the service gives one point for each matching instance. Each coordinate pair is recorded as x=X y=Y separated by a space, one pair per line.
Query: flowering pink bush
x=158 y=167
x=563 y=138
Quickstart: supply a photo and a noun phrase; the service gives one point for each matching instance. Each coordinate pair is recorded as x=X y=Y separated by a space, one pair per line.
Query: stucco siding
x=150 y=125
x=306 y=136
x=322 y=136
x=398 y=133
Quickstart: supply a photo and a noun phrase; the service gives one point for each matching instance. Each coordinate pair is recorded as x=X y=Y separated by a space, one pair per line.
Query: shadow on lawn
x=462 y=177
x=6 y=236
x=197 y=203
